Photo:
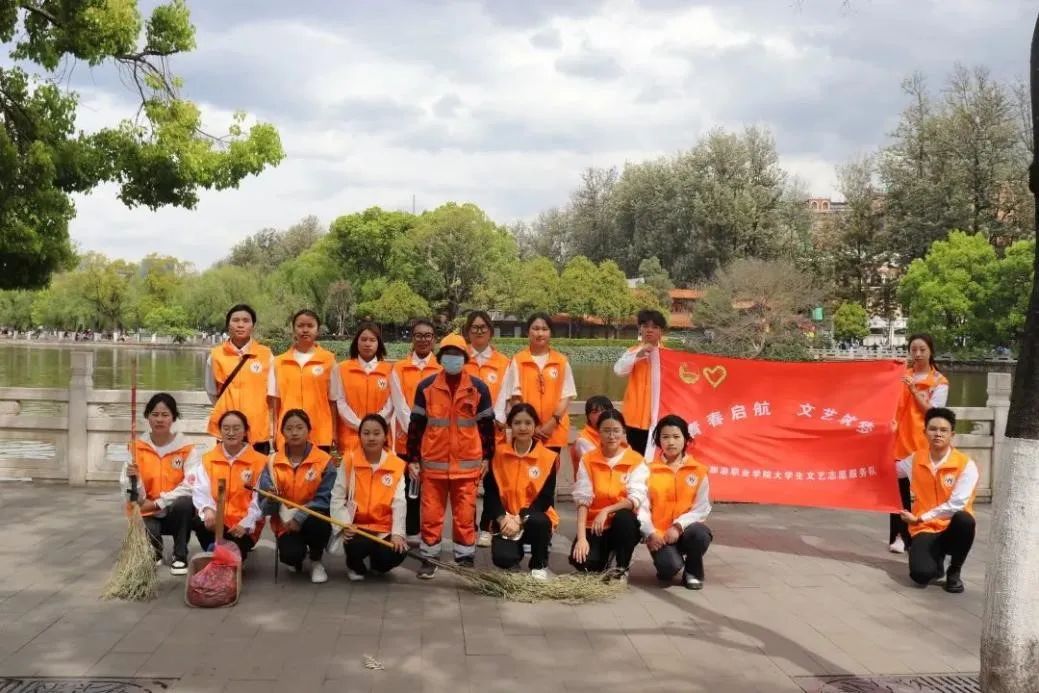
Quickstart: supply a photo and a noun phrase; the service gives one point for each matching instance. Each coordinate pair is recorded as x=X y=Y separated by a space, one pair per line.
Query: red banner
x=818 y=434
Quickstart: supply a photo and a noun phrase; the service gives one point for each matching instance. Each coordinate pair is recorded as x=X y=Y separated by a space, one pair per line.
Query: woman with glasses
x=420 y=363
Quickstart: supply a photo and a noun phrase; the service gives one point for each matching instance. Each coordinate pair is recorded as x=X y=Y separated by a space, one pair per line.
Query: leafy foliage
x=850 y=322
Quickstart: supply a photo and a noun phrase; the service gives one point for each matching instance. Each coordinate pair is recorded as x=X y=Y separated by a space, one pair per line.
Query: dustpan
x=201 y=560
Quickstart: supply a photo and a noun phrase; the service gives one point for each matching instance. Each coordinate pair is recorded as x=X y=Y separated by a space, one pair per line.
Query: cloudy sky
x=504 y=102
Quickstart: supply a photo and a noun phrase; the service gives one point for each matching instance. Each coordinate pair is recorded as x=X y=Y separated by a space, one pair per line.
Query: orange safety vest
x=451 y=446
x=492 y=373
x=609 y=484
x=637 y=395
x=160 y=474
x=931 y=490
x=298 y=484
x=247 y=393
x=366 y=393
x=374 y=489
x=672 y=492
x=409 y=375
x=543 y=388
x=909 y=432
x=246 y=469
x=306 y=388
x=520 y=478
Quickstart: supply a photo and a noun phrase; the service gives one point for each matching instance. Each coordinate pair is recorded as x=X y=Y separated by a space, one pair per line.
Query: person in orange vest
x=634 y=364
x=673 y=498
x=369 y=494
x=925 y=387
x=606 y=523
x=237 y=463
x=943 y=482
x=450 y=444
x=542 y=376
x=519 y=495
x=489 y=365
x=302 y=379
x=588 y=439
x=407 y=373
x=237 y=373
x=364 y=385
x=304 y=474
x=164 y=459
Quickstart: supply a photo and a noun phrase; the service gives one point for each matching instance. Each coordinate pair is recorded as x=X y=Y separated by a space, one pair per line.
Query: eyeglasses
x=479 y=329
x=423 y=336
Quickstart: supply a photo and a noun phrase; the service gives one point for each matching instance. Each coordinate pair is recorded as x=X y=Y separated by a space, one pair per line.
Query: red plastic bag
x=217 y=584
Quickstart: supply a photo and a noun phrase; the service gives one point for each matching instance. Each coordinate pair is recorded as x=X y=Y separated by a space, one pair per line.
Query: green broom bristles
x=134 y=577
x=576 y=588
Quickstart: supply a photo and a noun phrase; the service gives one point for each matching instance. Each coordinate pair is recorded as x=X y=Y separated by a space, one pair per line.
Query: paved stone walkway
x=790 y=593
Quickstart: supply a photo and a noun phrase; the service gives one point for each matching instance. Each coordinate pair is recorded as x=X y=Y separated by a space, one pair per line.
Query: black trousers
x=620 y=539
x=897 y=526
x=929 y=549
x=263 y=448
x=382 y=559
x=685 y=553
x=175 y=523
x=537 y=531
x=637 y=439
x=311 y=538
x=206 y=537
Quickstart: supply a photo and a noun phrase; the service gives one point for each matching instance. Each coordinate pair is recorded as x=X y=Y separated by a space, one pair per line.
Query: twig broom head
x=577 y=588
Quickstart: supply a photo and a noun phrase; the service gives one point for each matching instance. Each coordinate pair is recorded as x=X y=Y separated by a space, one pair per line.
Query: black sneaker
x=691 y=582
x=465 y=562
x=953 y=583
x=179 y=567
x=426 y=571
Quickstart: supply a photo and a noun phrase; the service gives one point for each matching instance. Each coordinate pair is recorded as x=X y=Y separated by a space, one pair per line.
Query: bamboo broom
x=133 y=577
x=512 y=586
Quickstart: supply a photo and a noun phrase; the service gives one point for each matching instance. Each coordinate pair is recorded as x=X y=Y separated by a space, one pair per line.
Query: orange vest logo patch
x=178 y=462
x=492 y=377
x=387 y=480
x=247 y=476
x=381 y=382
x=949 y=480
x=690 y=480
x=318 y=370
x=310 y=475
x=534 y=473
x=552 y=372
x=256 y=367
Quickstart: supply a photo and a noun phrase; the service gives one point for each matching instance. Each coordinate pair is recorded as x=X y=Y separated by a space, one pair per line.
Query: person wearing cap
x=450 y=443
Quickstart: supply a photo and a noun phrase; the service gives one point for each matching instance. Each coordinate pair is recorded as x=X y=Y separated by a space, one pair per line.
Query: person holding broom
x=450 y=443
x=302 y=473
x=238 y=464
x=369 y=493
x=606 y=523
x=165 y=461
x=673 y=499
x=519 y=493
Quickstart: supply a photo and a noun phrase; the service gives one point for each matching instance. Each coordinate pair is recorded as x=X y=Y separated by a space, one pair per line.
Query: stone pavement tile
x=118 y=664
x=254 y=686
x=485 y=640
x=198 y=684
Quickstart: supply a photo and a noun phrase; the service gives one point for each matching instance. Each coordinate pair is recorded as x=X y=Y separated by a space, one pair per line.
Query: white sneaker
x=158 y=562
x=897 y=546
x=353 y=576
x=178 y=567
x=485 y=540
x=539 y=574
x=317 y=572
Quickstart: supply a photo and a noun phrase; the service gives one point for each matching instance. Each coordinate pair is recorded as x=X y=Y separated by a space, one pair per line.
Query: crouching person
x=942 y=484
x=369 y=493
x=673 y=499
x=518 y=494
x=302 y=473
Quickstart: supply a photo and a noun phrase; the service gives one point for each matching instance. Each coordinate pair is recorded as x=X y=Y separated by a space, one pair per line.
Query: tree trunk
x=1010 y=628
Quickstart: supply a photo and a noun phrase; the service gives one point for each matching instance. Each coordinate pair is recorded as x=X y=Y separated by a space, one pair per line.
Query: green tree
x=850 y=322
x=269 y=248
x=168 y=320
x=16 y=309
x=62 y=305
x=163 y=157
x=395 y=305
x=579 y=282
x=339 y=304
x=207 y=298
x=363 y=244
x=157 y=284
x=105 y=286
x=522 y=288
x=308 y=276
x=613 y=301
x=657 y=280
x=1007 y=306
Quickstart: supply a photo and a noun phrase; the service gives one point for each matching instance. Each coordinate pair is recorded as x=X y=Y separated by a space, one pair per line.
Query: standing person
x=302 y=379
x=302 y=473
x=237 y=464
x=369 y=493
x=237 y=375
x=489 y=365
x=407 y=373
x=164 y=461
x=450 y=444
x=635 y=365
x=542 y=376
x=364 y=383
x=588 y=438
x=674 y=499
x=606 y=523
x=943 y=482
x=519 y=493
x=925 y=387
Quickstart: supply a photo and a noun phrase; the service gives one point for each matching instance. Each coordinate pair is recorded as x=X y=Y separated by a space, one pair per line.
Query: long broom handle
x=132 y=492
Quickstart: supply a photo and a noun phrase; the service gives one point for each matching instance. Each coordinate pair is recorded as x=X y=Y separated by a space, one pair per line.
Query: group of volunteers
x=383 y=448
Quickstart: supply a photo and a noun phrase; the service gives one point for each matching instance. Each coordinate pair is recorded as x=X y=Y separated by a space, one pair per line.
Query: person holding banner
x=362 y=385
x=606 y=523
x=943 y=482
x=673 y=499
x=925 y=387
x=634 y=364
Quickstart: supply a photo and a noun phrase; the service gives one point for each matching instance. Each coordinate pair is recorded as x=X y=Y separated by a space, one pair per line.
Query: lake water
x=22 y=365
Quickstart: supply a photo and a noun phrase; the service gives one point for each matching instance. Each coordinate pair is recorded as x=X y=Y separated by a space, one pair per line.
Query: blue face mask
x=452 y=363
